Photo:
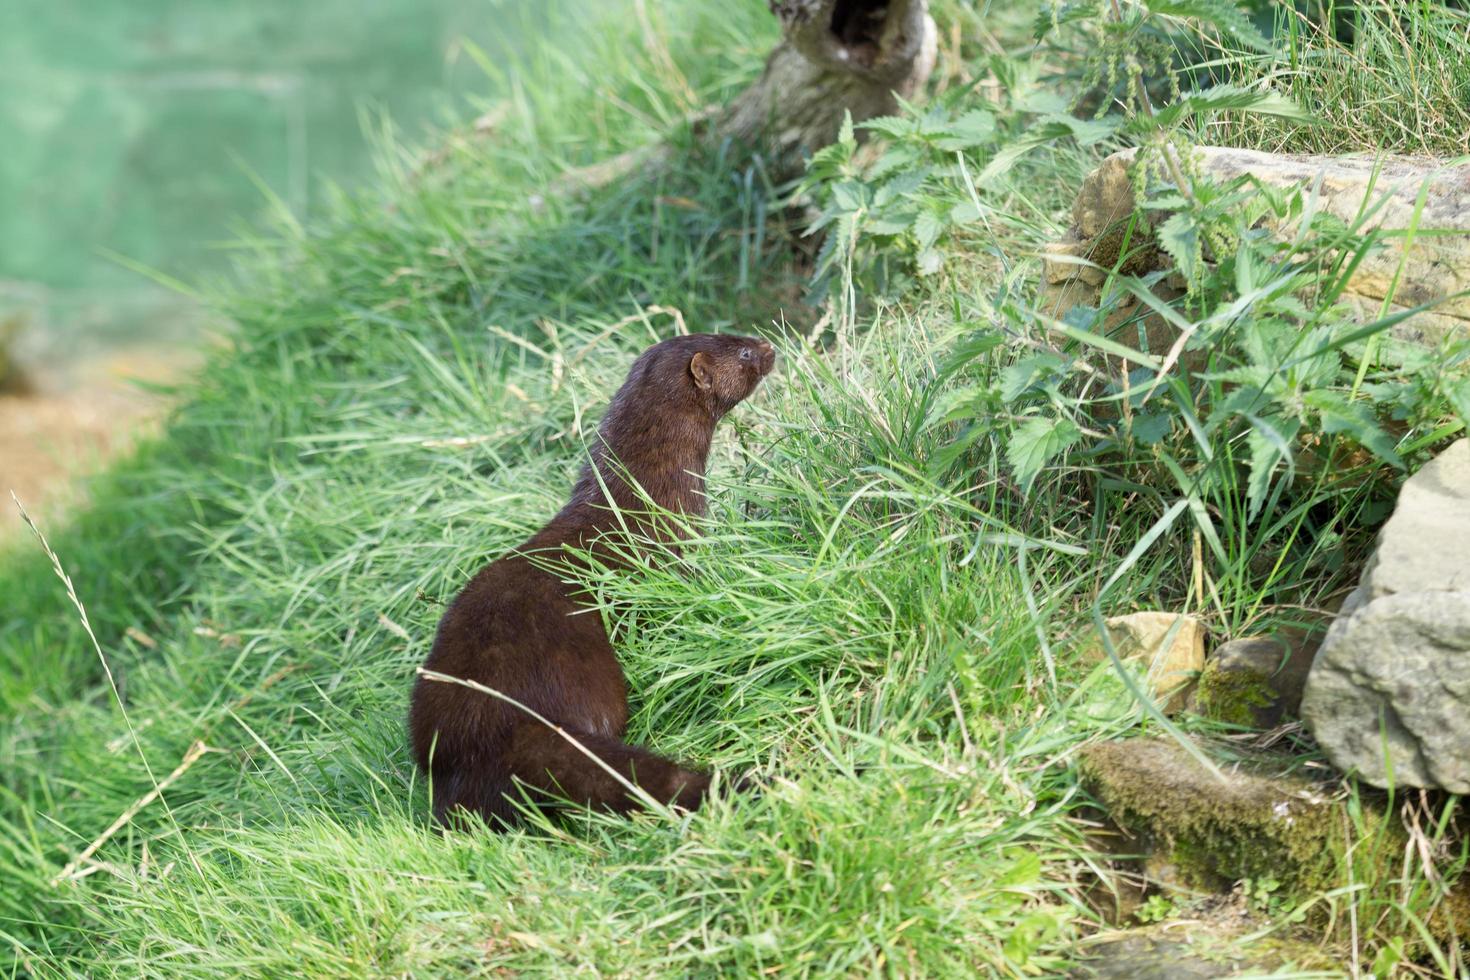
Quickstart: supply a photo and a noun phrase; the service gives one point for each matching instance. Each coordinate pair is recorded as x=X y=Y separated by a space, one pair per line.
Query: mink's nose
x=767 y=355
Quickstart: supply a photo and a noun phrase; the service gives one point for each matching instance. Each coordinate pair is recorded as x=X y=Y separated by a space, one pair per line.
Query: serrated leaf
x=1168 y=201
x=895 y=224
x=850 y=196
x=893 y=126
x=1268 y=448
x=946 y=456
x=1219 y=99
x=1064 y=13
x=963 y=213
x=1353 y=418
x=1179 y=236
x=1019 y=377
x=1048 y=130
x=1035 y=443
x=927 y=228
x=1224 y=15
x=900 y=158
x=1149 y=429
x=900 y=186
x=959 y=403
x=974 y=128
x=929 y=262
x=1458 y=393
x=975 y=345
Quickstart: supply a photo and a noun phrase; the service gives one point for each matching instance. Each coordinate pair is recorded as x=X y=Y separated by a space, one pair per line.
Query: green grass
x=406 y=397
x=1399 y=81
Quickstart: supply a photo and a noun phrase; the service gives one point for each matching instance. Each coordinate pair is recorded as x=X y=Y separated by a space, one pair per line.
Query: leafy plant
x=1255 y=397
x=1156 y=908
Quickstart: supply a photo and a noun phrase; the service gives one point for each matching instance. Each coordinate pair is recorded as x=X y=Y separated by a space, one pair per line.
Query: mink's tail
x=552 y=768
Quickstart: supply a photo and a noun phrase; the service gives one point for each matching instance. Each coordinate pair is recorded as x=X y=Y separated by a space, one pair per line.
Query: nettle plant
x=1269 y=392
x=1273 y=418
x=939 y=170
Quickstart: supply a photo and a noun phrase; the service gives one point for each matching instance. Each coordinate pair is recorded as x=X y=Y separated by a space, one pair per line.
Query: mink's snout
x=765 y=357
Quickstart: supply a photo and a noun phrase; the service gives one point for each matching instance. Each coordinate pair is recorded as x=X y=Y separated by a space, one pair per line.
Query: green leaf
x=844 y=134
x=1179 y=236
x=900 y=186
x=963 y=213
x=894 y=127
x=903 y=159
x=1458 y=392
x=1224 y=15
x=930 y=261
x=1149 y=429
x=850 y=196
x=1219 y=99
x=959 y=403
x=976 y=344
x=889 y=225
x=974 y=128
x=1035 y=443
x=926 y=229
x=1353 y=418
x=1048 y=130
x=1019 y=377
x=1268 y=447
x=1064 y=13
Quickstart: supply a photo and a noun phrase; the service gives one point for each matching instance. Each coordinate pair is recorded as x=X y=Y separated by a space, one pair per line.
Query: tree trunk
x=836 y=57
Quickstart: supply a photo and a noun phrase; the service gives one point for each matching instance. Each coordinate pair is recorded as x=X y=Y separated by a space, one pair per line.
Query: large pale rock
x=1388 y=695
x=1437 y=268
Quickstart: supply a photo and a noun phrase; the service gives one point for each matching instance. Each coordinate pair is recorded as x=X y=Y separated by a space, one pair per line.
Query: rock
x=1256 y=823
x=1388 y=696
x=1264 y=821
x=1174 y=660
x=1194 y=950
x=1437 y=268
x=1255 y=682
x=1426 y=543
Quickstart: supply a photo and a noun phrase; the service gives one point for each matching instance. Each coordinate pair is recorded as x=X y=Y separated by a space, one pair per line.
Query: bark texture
x=837 y=56
x=1436 y=269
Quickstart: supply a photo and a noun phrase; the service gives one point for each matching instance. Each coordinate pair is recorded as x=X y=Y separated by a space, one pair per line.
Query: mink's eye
x=746 y=354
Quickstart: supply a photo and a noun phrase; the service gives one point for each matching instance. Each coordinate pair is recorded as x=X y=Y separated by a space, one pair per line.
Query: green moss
x=1256 y=824
x=1232 y=696
x=1250 y=826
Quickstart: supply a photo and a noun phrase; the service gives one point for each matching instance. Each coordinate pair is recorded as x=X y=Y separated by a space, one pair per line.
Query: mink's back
x=514 y=628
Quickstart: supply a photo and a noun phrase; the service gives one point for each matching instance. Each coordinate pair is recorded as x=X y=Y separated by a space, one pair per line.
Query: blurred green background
x=139 y=127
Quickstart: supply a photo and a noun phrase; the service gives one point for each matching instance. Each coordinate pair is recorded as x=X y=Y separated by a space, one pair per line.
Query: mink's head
x=659 y=424
x=712 y=372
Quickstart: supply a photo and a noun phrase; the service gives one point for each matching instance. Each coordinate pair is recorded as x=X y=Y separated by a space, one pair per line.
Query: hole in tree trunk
x=858 y=25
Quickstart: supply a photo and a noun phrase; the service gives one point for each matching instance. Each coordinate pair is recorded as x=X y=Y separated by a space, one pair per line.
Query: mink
x=520 y=629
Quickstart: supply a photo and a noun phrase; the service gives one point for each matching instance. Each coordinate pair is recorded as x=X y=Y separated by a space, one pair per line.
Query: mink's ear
x=703 y=370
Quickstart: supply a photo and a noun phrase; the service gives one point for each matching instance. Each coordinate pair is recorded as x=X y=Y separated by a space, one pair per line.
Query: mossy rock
x=1204 y=946
x=1252 y=825
x=1261 y=822
x=1237 y=697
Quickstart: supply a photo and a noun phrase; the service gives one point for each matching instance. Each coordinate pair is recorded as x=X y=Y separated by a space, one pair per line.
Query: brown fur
x=518 y=629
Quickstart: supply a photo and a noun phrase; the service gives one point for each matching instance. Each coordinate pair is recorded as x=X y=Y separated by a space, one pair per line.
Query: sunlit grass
x=407 y=397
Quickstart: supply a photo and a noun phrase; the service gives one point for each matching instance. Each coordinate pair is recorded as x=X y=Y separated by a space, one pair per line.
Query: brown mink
x=519 y=629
